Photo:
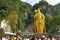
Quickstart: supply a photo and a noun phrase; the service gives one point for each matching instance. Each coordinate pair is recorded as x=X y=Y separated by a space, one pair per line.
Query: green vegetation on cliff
x=20 y=14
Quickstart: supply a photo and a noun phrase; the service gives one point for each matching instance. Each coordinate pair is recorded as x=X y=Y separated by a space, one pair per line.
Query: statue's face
x=35 y=11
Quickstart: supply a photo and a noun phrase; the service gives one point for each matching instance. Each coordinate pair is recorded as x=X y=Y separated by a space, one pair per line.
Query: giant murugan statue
x=39 y=23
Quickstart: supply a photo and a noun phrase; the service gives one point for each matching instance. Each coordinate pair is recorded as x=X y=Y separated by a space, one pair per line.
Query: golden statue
x=39 y=23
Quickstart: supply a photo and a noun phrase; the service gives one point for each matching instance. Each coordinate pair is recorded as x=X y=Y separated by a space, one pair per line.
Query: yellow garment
x=26 y=38
x=14 y=38
x=39 y=23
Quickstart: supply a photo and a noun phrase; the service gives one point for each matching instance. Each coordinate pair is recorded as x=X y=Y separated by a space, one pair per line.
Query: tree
x=24 y=11
x=57 y=21
x=13 y=20
x=4 y=10
x=51 y=25
x=48 y=21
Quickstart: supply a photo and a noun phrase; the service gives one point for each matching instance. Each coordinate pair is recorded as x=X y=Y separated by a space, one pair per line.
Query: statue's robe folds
x=39 y=23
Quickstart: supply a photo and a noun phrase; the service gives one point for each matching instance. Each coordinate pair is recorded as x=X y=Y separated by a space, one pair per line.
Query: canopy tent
x=10 y=33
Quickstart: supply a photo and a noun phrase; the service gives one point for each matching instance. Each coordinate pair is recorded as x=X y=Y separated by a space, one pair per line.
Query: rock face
x=5 y=25
x=30 y=28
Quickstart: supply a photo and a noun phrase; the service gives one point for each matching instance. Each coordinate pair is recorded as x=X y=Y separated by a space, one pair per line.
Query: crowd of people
x=31 y=37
